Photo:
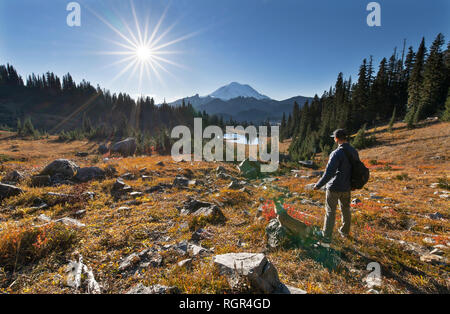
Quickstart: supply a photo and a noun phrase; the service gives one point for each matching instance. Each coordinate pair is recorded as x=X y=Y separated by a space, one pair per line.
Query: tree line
x=46 y=104
x=411 y=85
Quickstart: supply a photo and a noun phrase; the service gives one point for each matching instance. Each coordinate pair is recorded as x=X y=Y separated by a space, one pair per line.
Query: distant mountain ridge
x=242 y=103
x=235 y=90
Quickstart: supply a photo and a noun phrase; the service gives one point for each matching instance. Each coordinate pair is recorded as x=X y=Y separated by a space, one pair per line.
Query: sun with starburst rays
x=144 y=50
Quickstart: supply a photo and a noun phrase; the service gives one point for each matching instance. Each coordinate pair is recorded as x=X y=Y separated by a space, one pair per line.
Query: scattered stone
x=252 y=267
x=441 y=247
x=123 y=209
x=180 y=181
x=79 y=214
x=307 y=163
x=195 y=250
x=221 y=169
x=211 y=214
x=285 y=289
x=13 y=177
x=374 y=196
x=7 y=190
x=188 y=173
x=158 y=188
x=437 y=252
x=44 y=218
x=70 y=222
x=144 y=259
x=128 y=176
x=78 y=275
x=234 y=185
x=429 y=240
x=161 y=164
x=356 y=201
x=186 y=263
x=120 y=188
x=192 y=205
x=90 y=173
x=135 y=194
x=39 y=181
x=125 y=148
x=61 y=167
x=89 y=195
x=432 y=259
x=201 y=234
x=155 y=289
x=436 y=216
x=82 y=154
x=103 y=149
x=317 y=174
x=276 y=234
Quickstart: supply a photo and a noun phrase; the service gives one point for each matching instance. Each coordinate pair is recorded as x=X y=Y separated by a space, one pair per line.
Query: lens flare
x=144 y=49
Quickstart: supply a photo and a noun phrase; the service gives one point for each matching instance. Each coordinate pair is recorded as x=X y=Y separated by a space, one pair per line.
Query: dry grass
x=37 y=265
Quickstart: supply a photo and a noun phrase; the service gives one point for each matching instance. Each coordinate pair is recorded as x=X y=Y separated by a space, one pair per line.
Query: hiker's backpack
x=360 y=173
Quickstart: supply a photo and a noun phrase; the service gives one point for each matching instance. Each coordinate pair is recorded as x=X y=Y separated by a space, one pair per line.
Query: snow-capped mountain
x=242 y=103
x=235 y=90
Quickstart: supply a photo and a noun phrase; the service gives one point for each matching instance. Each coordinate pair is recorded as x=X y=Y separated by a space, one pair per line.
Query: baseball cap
x=339 y=133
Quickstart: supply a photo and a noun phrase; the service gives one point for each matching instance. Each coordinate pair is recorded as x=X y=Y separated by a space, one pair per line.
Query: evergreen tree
x=392 y=121
x=434 y=86
x=446 y=114
x=415 y=84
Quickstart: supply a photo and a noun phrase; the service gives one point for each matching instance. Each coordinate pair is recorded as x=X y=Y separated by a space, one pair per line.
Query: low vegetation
x=402 y=214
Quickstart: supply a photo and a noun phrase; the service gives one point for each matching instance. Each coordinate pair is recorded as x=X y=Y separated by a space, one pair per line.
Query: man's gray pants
x=332 y=199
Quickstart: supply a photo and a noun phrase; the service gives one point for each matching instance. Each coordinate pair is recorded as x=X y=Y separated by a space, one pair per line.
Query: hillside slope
x=403 y=215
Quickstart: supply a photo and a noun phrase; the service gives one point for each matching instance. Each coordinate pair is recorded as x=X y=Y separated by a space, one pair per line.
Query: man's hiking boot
x=344 y=235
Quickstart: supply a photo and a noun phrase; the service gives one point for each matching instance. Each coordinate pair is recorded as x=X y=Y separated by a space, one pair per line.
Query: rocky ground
x=75 y=221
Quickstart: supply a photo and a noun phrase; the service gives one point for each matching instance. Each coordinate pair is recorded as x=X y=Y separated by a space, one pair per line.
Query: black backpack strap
x=349 y=156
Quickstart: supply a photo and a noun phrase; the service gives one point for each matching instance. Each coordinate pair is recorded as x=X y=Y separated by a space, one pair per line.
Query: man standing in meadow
x=338 y=177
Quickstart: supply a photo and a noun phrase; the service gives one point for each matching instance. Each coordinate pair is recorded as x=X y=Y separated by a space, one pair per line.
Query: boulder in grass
x=38 y=181
x=62 y=168
x=180 y=182
x=7 y=190
x=13 y=177
x=125 y=148
x=90 y=173
x=212 y=214
x=252 y=268
x=103 y=149
x=155 y=289
x=119 y=188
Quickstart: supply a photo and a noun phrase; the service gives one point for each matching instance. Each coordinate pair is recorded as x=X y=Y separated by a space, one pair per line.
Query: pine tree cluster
x=413 y=85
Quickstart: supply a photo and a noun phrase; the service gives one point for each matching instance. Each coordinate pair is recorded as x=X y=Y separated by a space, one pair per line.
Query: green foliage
x=446 y=114
x=391 y=122
x=413 y=86
x=361 y=139
x=26 y=129
x=444 y=183
x=402 y=177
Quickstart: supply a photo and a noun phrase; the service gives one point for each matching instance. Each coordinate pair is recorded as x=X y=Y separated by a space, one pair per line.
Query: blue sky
x=282 y=48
